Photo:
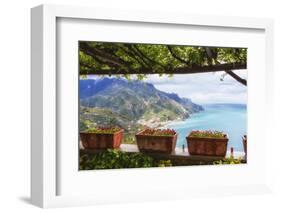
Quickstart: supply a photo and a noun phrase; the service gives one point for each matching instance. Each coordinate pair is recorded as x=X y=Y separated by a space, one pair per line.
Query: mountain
x=130 y=103
x=186 y=102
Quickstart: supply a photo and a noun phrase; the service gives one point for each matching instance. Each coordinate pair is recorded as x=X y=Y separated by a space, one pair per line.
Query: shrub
x=115 y=159
x=165 y=163
x=229 y=160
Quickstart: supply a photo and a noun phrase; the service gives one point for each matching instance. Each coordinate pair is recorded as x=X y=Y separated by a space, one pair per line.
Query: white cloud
x=203 y=88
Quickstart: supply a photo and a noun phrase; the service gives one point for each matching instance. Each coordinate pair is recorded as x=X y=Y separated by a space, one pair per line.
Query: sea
x=229 y=118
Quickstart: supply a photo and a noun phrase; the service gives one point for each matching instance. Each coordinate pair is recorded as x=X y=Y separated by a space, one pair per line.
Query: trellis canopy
x=141 y=59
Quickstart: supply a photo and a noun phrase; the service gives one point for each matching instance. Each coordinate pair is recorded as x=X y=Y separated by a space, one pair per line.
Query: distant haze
x=204 y=88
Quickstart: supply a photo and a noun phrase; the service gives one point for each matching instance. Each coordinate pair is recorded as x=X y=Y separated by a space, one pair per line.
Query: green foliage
x=159 y=132
x=158 y=58
x=232 y=55
x=207 y=134
x=165 y=163
x=115 y=159
x=229 y=160
x=103 y=130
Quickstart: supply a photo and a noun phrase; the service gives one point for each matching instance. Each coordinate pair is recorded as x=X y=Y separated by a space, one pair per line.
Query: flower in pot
x=157 y=140
x=211 y=143
x=102 y=138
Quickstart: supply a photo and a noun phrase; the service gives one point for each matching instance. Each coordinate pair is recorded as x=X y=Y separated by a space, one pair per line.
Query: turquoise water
x=229 y=118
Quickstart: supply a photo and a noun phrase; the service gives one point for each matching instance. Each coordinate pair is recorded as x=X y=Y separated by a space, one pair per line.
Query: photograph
x=161 y=105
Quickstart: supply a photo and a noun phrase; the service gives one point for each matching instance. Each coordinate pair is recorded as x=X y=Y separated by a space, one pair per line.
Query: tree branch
x=229 y=72
x=105 y=57
x=236 y=77
x=96 y=58
x=134 y=52
x=176 y=56
x=133 y=56
x=149 y=59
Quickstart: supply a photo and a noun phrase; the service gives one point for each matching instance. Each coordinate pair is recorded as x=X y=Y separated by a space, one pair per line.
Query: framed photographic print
x=137 y=109
x=130 y=106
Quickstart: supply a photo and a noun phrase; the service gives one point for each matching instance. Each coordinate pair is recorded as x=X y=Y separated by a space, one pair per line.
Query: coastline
x=175 y=122
x=160 y=124
x=155 y=123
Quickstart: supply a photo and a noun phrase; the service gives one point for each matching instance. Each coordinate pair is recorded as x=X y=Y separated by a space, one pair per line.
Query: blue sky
x=204 y=88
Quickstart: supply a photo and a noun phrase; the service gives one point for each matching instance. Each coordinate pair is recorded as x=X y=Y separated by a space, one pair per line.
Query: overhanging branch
x=106 y=58
x=236 y=77
x=176 y=56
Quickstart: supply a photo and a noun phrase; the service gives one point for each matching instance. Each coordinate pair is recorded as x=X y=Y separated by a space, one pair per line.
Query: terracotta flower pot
x=154 y=143
x=101 y=140
x=207 y=146
x=244 y=138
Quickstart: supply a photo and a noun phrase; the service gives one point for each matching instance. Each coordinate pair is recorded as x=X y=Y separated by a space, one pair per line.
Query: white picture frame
x=44 y=147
